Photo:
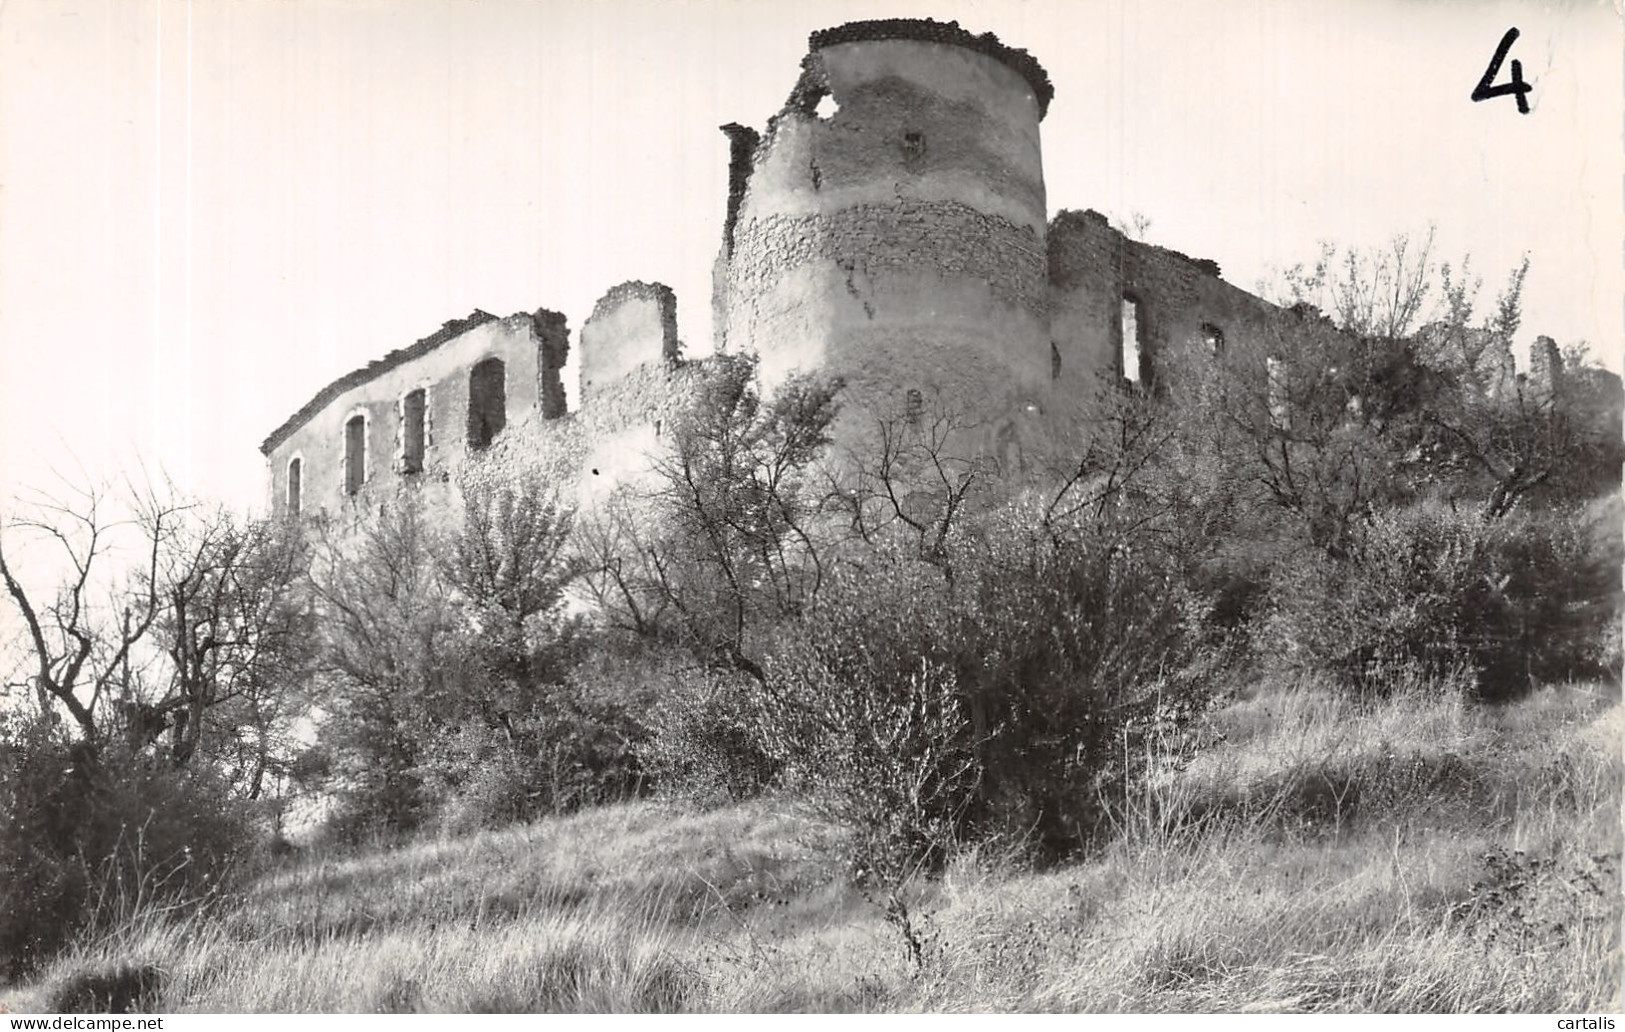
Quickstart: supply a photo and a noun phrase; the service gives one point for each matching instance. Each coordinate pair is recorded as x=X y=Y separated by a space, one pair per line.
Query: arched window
x=487 y=402
x=355 y=453
x=296 y=470
x=1133 y=355
x=413 y=408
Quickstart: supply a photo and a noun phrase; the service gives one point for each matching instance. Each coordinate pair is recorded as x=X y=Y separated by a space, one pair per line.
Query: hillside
x=1418 y=853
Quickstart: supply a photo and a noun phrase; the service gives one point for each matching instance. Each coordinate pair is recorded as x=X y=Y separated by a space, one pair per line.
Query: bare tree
x=236 y=625
x=913 y=474
x=1128 y=433
x=1505 y=436
x=84 y=637
x=1378 y=292
x=738 y=508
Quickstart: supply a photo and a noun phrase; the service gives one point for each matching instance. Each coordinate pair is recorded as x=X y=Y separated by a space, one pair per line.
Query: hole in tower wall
x=913 y=149
x=811 y=90
x=827 y=106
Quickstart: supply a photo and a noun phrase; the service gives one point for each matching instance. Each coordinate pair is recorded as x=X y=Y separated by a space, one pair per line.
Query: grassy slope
x=1324 y=856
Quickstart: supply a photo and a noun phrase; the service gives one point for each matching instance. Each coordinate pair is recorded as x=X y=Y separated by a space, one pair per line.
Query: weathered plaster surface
x=900 y=240
x=613 y=440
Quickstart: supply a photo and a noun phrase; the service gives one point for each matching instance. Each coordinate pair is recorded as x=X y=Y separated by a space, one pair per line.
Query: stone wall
x=632 y=324
x=634 y=387
x=1180 y=303
x=612 y=440
x=531 y=348
x=888 y=227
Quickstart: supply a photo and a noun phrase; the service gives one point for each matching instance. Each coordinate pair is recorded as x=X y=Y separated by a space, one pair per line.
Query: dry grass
x=1327 y=855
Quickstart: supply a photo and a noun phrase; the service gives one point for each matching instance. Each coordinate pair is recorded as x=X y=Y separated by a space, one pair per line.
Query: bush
x=1086 y=640
x=1001 y=689
x=86 y=838
x=1514 y=602
x=563 y=748
x=1412 y=596
x=1562 y=581
x=863 y=711
x=703 y=747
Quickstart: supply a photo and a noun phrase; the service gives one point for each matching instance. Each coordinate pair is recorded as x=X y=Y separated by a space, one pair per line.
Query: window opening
x=295 y=475
x=1132 y=354
x=913 y=150
x=355 y=453
x=1213 y=337
x=413 y=407
x=487 y=402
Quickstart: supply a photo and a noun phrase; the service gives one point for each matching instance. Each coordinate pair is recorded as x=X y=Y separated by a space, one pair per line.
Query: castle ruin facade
x=888 y=225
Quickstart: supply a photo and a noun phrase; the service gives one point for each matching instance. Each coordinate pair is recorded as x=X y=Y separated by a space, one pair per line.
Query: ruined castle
x=888 y=225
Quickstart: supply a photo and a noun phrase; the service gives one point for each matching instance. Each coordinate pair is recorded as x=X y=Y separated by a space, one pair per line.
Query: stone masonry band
x=944 y=237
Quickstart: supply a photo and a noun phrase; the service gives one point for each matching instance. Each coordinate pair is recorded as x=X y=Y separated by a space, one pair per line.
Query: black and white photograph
x=862 y=506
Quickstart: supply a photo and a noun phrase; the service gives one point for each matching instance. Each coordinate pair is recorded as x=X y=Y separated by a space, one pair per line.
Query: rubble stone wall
x=1180 y=303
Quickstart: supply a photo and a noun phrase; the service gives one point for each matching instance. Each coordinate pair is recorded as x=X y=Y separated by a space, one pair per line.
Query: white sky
x=210 y=209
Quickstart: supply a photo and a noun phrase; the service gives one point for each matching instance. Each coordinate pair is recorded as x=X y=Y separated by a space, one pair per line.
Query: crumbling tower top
x=927 y=30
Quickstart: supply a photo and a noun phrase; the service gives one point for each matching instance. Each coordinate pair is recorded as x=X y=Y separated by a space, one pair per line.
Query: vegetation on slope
x=1415 y=853
x=985 y=732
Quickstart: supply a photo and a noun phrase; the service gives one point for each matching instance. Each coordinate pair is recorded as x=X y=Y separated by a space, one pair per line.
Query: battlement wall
x=633 y=324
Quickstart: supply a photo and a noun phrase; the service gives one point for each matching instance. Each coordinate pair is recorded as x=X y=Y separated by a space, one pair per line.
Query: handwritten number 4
x=1517 y=87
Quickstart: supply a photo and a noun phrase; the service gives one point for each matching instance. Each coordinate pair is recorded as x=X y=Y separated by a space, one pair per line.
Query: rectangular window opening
x=487 y=402
x=355 y=453
x=1132 y=354
x=413 y=407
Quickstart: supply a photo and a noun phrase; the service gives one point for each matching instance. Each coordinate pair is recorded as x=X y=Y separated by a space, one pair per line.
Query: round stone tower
x=889 y=224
